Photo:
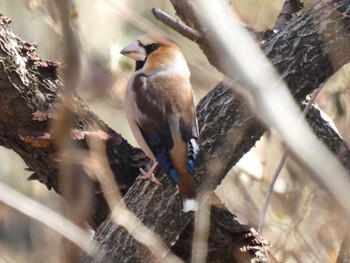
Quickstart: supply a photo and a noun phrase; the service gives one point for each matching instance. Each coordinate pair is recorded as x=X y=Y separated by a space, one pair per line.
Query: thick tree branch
x=329 y=136
x=302 y=54
x=223 y=145
x=289 y=8
x=35 y=99
x=319 y=34
x=29 y=98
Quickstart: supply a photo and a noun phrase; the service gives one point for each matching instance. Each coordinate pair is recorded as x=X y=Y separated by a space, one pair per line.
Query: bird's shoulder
x=162 y=80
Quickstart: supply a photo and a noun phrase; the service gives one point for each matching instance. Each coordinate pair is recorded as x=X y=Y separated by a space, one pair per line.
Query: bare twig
x=269 y=191
x=280 y=166
x=75 y=185
x=201 y=234
x=176 y=25
x=50 y=218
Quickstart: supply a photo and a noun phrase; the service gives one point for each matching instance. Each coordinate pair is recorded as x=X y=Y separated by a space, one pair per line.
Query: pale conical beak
x=135 y=51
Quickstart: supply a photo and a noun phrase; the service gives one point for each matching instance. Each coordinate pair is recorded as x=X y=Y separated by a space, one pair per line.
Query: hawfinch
x=161 y=112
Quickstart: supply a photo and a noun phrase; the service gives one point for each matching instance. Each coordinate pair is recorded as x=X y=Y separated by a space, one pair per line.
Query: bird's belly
x=131 y=114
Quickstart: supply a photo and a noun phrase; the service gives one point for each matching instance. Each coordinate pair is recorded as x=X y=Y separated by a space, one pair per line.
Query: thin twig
x=201 y=234
x=177 y=25
x=269 y=191
x=50 y=218
x=280 y=165
x=75 y=187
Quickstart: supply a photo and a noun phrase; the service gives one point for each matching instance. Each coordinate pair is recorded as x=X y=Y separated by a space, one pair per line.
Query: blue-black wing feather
x=155 y=127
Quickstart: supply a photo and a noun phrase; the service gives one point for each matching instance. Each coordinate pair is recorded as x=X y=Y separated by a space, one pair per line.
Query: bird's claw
x=149 y=176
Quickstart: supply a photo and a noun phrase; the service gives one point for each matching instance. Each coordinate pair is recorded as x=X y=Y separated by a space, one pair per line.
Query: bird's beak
x=135 y=51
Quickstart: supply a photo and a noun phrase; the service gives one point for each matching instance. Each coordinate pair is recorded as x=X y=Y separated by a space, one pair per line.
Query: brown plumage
x=161 y=112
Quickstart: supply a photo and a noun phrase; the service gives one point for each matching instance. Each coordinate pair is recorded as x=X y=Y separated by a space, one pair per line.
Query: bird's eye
x=154 y=46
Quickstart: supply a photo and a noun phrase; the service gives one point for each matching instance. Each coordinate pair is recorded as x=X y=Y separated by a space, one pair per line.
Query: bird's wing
x=151 y=113
x=166 y=117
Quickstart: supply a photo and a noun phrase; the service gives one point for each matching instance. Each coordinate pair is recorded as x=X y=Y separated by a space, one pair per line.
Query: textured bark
x=29 y=85
x=308 y=50
x=330 y=137
x=289 y=9
x=242 y=243
x=302 y=52
x=217 y=142
x=228 y=129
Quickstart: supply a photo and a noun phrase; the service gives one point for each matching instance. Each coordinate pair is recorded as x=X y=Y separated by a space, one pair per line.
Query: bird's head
x=152 y=53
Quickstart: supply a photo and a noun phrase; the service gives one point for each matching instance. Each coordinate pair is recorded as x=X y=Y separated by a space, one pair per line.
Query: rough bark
x=289 y=9
x=303 y=52
x=30 y=96
x=308 y=50
x=330 y=137
x=223 y=145
x=242 y=243
x=30 y=85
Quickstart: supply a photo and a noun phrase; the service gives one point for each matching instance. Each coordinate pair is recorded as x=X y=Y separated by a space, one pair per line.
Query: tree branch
x=289 y=8
x=33 y=86
x=239 y=130
x=176 y=25
x=29 y=98
x=322 y=32
x=35 y=99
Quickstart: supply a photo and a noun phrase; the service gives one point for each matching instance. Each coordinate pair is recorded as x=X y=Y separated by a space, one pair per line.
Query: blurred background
x=301 y=222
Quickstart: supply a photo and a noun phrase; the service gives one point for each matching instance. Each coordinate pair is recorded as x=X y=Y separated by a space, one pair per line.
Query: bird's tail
x=187 y=193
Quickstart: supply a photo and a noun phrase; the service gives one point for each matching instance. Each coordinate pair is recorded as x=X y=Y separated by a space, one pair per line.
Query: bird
x=160 y=108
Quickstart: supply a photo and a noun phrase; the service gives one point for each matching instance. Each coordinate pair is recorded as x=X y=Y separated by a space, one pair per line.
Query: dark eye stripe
x=149 y=49
x=152 y=47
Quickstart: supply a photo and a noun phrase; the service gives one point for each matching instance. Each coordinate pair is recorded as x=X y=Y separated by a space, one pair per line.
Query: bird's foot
x=149 y=175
